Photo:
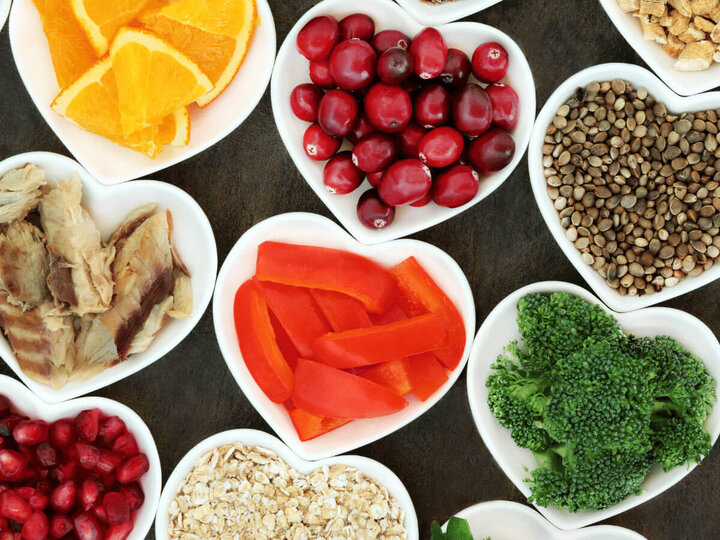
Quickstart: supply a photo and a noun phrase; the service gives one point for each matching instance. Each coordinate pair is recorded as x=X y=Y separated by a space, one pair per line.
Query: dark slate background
x=501 y=244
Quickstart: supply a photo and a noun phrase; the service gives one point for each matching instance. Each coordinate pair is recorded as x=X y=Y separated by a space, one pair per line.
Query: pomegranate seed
x=409 y=139
x=132 y=469
x=429 y=53
x=388 y=108
x=134 y=495
x=87 y=424
x=60 y=525
x=38 y=500
x=341 y=176
x=422 y=201
x=394 y=65
x=31 y=432
x=8 y=423
x=3 y=524
x=46 y=455
x=374 y=152
x=357 y=26
x=304 y=100
x=9 y=535
x=352 y=64
x=390 y=38
x=64 y=472
x=87 y=455
x=62 y=498
x=490 y=62
x=457 y=69
x=99 y=512
x=87 y=527
x=318 y=37
x=337 y=113
x=472 y=110
x=14 y=507
x=117 y=508
x=320 y=73
x=441 y=147
x=62 y=433
x=5 y=405
x=12 y=465
x=25 y=491
x=37 y=527
x=505 y=105
x=404 y=182
x=125 y=444
x=362 y=128
x=374 y=178
x=318 y=146
x=108 y=461
x=432 y=106
x=109 y=479
x=91 y=491
x=119 y=532
x=373 y=212
x=455 y=186
x=492 y=151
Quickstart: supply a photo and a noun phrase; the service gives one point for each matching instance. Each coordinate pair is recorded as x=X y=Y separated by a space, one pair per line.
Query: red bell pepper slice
x=329 y=269
x=330 y=392
x=295 y=308
x=394 y=314
x=309 y=425
x=393 y=375
x=375 y=344
x=343 y=312
x=287 y=349
x=258 y=346
x=420 y=294
x=426 y=375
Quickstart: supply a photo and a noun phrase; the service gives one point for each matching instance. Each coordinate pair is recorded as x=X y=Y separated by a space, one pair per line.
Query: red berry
x=492 y=151
x=409 y=139
x=422 y=201
x=36 y=527
x=125 y=444
x=87 y=527
x=62 y=433
x=394 y=65
x=490 y=62
x=8 y=423
x=14 y=507
x=455 y=186
x=441 y=147
x=117 y=509
x=134 y=495
x=304 y=101
x=87 y=424
x=132 y=469
x=375 y=177
x=12 y=465
x=357 y=26
x=429 y=53
x=25 y=491
x=388 y=108
x=457 y=69
x=62 y=498
x=472 y=110
x=338 y=113
x=60 y=525
x=373 y=212
x=352 y=64
x=63 y=473
x=318 y=146
x=390 y=38
x=119 y=532
x=341 y=176
x=316 y=39
x=432 y=106
x=108 y=461
x=31 y=432
x=91 y=491
x=46 y=455
x=87 y=455
x=320 y=73
x=505 y=105
x=404 y=182
x=362 y=128
x=374 y=152
x=38 y=500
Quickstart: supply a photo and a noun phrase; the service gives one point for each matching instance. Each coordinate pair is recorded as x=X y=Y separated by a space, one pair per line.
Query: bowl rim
x=433 y=14
x=4 y=11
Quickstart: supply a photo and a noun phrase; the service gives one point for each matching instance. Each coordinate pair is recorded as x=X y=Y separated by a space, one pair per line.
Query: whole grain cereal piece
x=696 y=56
x=682 y=6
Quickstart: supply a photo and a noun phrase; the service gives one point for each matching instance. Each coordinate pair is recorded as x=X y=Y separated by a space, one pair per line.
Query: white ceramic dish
x=151 y=482
x=431 y=14
x=251 y=437
x=291 y=69
x=685 y=83
x=500 y=328
x=108 y=205
x=505 y=520
x=311 y=229
x=4 y=10
x=639 y=77
x=109 y=162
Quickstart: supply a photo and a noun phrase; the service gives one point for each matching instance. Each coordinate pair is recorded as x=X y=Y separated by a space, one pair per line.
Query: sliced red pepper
x=375 y=344
x=426 y=375
x=394 y=314
x=420 y=294
x=329 y=269
x=392 y=375
x=258 y=346
x=309 y=425
x=330 y=392
x=287 y=349
x=343 y=312
x=295 y=308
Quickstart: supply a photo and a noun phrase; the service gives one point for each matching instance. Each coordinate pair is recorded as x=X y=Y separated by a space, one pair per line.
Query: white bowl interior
x=500 y=328
x=250 y=437
x=292 y=69
x=108 y=205
x=151 y=482
x=685 y=83
x=640 y=78
x=109 y=162
x=311 y=229
x=430 y=14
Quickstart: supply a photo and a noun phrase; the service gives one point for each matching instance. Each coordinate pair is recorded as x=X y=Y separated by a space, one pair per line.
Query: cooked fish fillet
x=182 y=297
x=159 y=315
x=80 y=276
x=20 y=192
x=24 y=265
x=95 y=346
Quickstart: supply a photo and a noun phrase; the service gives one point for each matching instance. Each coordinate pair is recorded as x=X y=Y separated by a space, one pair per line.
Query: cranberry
x=12 y=465
x=394 y=65
x=14 y=507
x=409 y=139
x=375 y=177
x=62 y=498
x=390 y=38
x=341 y=176
x=455 y=186
x=457 y=69
x=87 y=424
x=320 y=73
x=60 y=525
x=362 y=128
x=429 y=53
x=125 y=444
x=432 y=106
x=87 y=527
x=492 y=151
x=134 y=495
x=62 y=433
x=119 y=532
x=352 y=64
x=373 y=212
x=505 y=104
x=318 y=146
x=422 y=201
x=337 y=113
x=374 y=152
x=413 y=84
x=38 y=500
x=357 y=26
x=46 y=455
x=36 y=527
x=31 y=432
x=389 y=108
x=5 y=405
x=132 y=469
x=490 y=62
x=304 y=100
x=441 y=147
x=472 y=110
x=316 y=39
x=91 y=490
x=404 y=182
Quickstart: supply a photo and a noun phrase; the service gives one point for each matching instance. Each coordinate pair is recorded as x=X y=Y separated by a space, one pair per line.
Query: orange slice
x=153 y=79
x=215 y=34
x=101 y=19
x=71 y=52
x=91 y=102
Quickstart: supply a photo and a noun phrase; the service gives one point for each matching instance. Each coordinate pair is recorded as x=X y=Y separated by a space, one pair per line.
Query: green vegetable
x=597 y=407
x=457 y=529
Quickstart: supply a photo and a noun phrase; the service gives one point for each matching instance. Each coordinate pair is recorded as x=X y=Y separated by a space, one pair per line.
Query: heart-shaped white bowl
x=151 y=482
x=685 y=83
x=505 y=520
x=108 y=205
x=4 y=10
x=291 y=69
x=311 y=229
x=109 y=162
x=430 y=14
x=639 y=77
x=500 y=328
x=250 y=437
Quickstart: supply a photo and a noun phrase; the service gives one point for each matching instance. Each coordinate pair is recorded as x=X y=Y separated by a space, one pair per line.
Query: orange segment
x=225 y=17
x=72 y=55
x=153 y=79
x=101 y=19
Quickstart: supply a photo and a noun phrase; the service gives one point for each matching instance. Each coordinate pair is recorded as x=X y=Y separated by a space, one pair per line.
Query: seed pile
x=636 y=187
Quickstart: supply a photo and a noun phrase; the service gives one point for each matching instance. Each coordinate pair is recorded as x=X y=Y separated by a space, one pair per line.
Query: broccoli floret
x=678 y=441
